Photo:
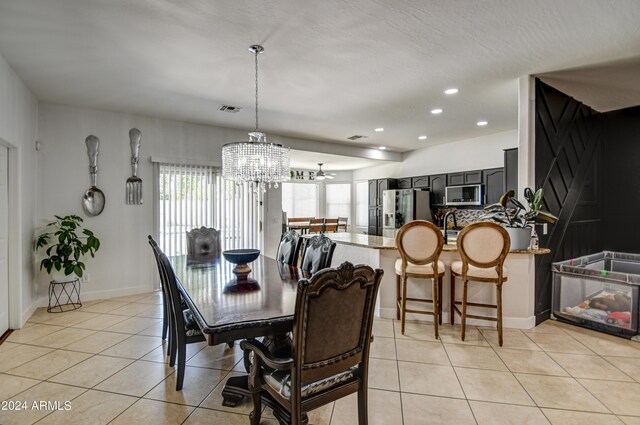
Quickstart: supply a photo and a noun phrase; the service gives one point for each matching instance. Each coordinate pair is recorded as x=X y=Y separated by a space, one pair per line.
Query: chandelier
x=256 y=161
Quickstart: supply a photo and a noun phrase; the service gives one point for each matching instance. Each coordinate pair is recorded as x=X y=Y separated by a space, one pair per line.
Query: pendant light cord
x=256 y=58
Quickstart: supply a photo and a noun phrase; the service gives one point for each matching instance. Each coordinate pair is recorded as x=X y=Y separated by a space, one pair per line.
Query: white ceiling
x=309 y=161
x=331 y=69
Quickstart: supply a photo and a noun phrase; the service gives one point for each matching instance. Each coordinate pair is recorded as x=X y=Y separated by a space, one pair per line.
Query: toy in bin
x=606 y=306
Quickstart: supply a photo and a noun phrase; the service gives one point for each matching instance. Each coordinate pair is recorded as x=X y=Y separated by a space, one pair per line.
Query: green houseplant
x=517 y=218
x=65 y=242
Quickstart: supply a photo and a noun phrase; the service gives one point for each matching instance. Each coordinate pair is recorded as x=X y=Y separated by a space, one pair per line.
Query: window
x=192 y=196
x=338 y=200
x=300 y=199
x=362 y=204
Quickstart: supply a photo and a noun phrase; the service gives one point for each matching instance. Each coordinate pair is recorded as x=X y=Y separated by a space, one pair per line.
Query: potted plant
x=518 y=219
x=65 y=247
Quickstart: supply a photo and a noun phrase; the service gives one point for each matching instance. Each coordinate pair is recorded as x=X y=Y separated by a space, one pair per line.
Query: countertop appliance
x=464 y=195
x=402 y=206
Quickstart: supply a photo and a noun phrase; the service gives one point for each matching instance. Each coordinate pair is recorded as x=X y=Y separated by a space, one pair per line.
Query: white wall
x=124 y=263
x=18 y=130
x=463 y=155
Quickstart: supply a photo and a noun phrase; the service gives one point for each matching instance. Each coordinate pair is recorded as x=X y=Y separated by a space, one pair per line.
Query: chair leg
x=256 y=413
x=499 y=305
x=403 y=311
x=440 y=300
x=173 y=344
x=452 y=311
x=398 y=297
x=362 y=405
x=436 y=302
x=182 y=359
x=464 y=307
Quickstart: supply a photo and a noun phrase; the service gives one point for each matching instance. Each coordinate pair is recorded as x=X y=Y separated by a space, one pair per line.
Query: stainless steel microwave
x=464 y=195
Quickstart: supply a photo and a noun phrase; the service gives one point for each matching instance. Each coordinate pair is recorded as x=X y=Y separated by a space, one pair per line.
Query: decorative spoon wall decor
x=134 y=183
x=93 y=199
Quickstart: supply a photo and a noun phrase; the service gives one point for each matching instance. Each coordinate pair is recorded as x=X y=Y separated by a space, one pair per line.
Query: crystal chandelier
x=256 y=161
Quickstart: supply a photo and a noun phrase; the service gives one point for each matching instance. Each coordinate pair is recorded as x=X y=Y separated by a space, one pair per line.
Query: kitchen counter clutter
x=380 y=252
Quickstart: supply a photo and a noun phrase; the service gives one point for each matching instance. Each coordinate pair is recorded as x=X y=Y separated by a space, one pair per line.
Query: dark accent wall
x=568 y=167
x=621 y=178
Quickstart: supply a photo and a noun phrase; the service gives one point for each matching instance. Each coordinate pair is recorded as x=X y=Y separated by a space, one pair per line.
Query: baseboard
x=28 y=312
x=508 y=322
x=102 y=294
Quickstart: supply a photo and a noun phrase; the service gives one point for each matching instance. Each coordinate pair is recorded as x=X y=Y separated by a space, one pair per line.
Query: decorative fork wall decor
x=134 y=183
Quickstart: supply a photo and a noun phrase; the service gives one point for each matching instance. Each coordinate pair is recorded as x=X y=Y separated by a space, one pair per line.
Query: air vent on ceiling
x=356 y=137
x=229 y=108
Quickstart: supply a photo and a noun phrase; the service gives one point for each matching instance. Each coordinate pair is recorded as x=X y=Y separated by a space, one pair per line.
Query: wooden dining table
x=225 y=313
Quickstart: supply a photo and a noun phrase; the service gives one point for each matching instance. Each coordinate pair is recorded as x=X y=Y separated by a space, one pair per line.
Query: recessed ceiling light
x=379 y=129
x=452 y=90
x=422 y=137
x=482 y=123
x=436 y=111
x=382 y=148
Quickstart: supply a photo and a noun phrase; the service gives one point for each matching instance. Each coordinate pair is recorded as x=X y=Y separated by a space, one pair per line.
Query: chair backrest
x=420 y=242
x=174 y=292
x=163 y=278
x=330 y=224
x=289 y=247
x=299 y=221
x=203 y=242
x=318 y=253
x=316 y=225
x=342 y=223
x=483 y=244
x=333 y=321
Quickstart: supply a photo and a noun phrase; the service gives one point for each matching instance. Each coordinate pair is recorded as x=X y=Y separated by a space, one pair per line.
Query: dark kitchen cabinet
x=473 y=177
x=375 y=227
x=511 y=169
x=438 y=184
x=376 y=187
x=455 y=179
x=404 y=183
x=420 y=182
x=373 y=193
x=493 y=185
x=385 y=184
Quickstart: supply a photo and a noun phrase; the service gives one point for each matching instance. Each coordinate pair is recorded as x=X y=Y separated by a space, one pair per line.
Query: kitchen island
x=381 y=252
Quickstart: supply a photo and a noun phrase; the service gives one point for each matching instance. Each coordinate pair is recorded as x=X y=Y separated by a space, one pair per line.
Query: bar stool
x=483 y=248
x=420 y=243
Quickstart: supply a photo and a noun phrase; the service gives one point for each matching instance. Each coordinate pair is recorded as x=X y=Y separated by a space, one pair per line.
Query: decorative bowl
x=241 y=256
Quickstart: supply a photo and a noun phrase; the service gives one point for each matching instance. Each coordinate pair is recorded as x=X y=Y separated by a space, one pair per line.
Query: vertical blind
x=192 y=196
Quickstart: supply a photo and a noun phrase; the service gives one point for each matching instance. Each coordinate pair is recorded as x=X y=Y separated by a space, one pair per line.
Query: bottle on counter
x=535 y=241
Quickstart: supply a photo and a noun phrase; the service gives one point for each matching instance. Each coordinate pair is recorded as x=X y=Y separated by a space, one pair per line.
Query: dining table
x=227 y=310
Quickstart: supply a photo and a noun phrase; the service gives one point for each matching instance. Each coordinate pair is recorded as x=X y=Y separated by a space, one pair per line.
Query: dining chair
x=420 y=243
x=318 y=253
x=330 y=224
x=483 y=248
x=342 y=224
x=318 y=372
x=184 y=328
x=288 y=248
x=203 y=241
x=316 y=225
x=165 y=304
x=299 y=223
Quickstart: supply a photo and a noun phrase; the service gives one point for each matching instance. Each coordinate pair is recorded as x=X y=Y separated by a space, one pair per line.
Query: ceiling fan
x=321 y=175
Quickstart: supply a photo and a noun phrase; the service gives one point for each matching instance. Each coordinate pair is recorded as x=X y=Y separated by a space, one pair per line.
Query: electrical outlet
x=86 y=277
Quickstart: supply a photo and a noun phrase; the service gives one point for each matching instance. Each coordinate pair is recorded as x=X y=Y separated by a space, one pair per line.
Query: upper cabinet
x=455 y=179
x=464 y=177
x=404 y=183
x=511 y=170
x=420 y=182
x=376 y=187
x=438 y=185
x=373 y=193
x=493 y=185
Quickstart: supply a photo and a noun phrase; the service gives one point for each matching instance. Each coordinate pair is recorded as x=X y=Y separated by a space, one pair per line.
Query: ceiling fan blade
x=330 y=177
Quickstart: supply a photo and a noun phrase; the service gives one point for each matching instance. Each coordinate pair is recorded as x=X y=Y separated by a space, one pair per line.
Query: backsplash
x=464 y=217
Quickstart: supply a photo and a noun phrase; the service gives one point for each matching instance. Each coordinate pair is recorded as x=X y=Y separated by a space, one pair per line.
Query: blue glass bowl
x=241 y=256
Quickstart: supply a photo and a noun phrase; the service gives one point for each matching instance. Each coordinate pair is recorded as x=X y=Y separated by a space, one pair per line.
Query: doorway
x=4 y=236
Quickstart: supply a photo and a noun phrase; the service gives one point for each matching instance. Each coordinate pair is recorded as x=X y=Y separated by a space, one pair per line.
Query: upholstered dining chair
x=288 y=248
x=420 y=243
x=483 y=248
x=317 y=254
x=319 y=372
x=203 y=241
x=183 y=327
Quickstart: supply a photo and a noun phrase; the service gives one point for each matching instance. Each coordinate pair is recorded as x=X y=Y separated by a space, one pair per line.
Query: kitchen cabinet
x=420 y=182
x=493 y=185
x=455 y=179
x=404 y=183
x=438 y=183
x=385 y=184
x=375 y=225
x=376 y=187
x=511 y=170
x=373 y=193
x=473 y=177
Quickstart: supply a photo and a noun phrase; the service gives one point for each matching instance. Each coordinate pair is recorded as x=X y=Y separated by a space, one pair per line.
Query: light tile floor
x=107 y=359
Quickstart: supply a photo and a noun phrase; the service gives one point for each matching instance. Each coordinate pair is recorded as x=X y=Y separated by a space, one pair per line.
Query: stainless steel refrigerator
x=402 y=206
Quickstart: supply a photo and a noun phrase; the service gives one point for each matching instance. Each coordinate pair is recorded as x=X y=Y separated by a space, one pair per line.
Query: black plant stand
x=62 y=289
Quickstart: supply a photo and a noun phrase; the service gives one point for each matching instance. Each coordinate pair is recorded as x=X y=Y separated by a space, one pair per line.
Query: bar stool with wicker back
x=420 y=243
x=483 y=247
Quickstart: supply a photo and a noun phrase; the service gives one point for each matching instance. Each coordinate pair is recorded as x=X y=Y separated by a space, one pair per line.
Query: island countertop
x=385 y=243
